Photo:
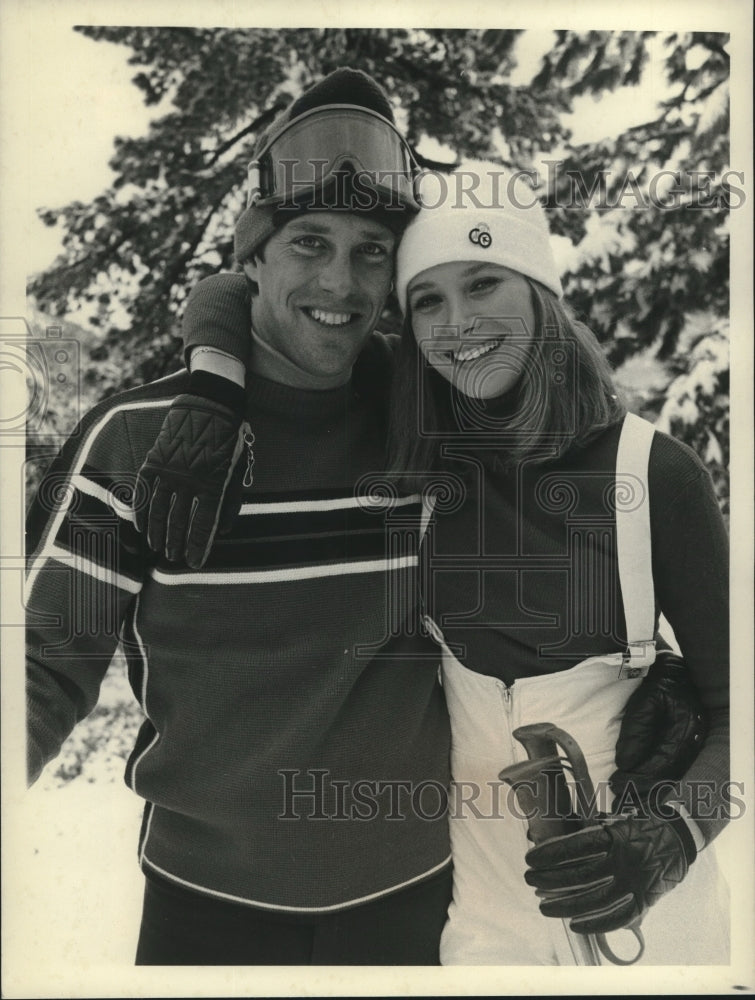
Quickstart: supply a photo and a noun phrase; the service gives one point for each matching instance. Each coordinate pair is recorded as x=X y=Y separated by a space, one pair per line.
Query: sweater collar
x=286 y=401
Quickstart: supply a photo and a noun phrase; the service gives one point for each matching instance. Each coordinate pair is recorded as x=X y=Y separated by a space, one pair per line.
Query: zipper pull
x=248 y=443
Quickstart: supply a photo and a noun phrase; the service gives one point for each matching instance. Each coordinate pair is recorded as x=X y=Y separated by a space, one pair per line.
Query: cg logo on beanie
x=480 y=235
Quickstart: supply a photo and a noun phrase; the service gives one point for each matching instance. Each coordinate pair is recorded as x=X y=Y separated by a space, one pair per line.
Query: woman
x=500 y=392
x=531 y=592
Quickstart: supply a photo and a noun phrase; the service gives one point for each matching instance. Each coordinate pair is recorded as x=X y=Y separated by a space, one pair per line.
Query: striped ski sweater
x=295 y=753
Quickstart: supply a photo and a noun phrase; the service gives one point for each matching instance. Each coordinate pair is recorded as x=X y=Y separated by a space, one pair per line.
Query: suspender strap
x=633 y=544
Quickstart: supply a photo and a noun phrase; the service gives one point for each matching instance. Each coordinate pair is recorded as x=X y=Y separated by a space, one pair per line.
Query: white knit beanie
x=478 y=212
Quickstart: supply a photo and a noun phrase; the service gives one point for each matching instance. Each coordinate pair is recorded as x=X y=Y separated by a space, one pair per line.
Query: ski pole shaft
x=543 y=798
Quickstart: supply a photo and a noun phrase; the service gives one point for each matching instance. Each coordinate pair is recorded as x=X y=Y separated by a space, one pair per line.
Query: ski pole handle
x=542 y=796
x=545 y=799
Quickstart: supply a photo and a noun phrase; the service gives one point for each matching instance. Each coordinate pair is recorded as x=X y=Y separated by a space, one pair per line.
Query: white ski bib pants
x=494 y=917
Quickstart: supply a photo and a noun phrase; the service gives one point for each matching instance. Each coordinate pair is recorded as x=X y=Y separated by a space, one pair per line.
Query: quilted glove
x=185 y=488
x=608 y=874
x=663 y=728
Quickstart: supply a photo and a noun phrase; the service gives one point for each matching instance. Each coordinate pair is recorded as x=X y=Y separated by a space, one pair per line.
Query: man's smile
x=330 y=318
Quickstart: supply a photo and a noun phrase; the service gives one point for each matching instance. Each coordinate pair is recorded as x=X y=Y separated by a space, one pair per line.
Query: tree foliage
x=649 y=271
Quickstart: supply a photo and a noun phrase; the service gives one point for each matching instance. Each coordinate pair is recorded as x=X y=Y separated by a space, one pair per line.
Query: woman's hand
x=662 y=731
x=606 y=876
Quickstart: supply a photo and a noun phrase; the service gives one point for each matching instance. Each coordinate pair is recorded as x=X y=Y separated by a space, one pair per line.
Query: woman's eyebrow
x=421 y=286
x=472 y=269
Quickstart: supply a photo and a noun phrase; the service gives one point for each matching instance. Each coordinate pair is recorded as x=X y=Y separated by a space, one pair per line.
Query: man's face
x=322 y=285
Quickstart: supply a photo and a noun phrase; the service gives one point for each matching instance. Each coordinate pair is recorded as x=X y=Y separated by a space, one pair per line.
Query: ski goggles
x=318 y=146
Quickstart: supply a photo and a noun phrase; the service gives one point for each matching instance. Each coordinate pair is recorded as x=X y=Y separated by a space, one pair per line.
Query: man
x=296 y=742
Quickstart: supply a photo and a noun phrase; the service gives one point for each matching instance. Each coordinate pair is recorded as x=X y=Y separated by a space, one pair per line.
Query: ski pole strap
x=607 y=951
x=632 y=501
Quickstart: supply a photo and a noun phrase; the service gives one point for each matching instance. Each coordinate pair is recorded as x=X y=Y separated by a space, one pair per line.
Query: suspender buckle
x=637 y=659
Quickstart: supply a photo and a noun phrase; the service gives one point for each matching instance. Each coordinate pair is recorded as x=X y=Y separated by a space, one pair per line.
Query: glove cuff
x=667 y=658
x=218 y=389
x=683 y=832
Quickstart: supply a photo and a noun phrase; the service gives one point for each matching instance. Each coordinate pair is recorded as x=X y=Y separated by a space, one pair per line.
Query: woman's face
x=474 y=322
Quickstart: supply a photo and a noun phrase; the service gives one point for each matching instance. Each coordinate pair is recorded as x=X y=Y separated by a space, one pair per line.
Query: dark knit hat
x=343 y=86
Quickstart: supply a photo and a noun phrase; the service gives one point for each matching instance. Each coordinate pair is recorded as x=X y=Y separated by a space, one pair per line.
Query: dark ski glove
x=607 y=875
x=184 y=489
x=663 y=728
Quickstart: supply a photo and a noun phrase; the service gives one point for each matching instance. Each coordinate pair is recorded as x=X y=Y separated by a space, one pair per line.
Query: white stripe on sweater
x=53 y=525
x=291 y=909
x=119 y=507
x=145 y=707
x=281 y=575
x=83 y=565
x=367 y=502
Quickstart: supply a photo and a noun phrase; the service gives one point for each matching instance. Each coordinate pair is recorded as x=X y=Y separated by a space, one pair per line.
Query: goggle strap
x=253 y=183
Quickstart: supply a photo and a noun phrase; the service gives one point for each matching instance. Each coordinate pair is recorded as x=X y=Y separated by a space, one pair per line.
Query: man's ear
x=251 y=268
